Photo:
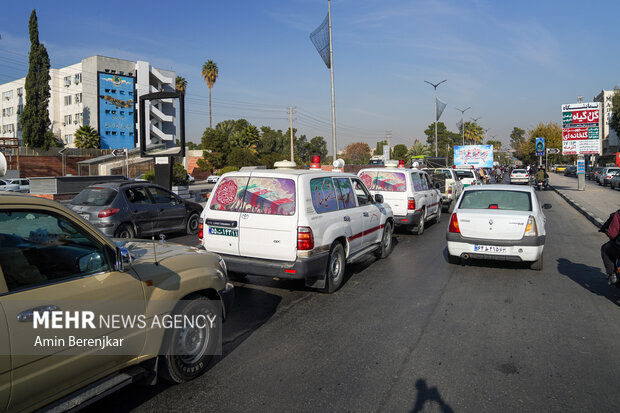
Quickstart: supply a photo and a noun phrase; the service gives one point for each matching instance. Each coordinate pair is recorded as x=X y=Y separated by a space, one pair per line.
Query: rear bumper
x=525 y=249
x=519 y=180
x=407 y=221
x=301 y=268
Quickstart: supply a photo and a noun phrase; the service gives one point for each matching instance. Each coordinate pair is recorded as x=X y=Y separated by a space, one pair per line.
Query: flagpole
x=331 y=73
x=434 y=85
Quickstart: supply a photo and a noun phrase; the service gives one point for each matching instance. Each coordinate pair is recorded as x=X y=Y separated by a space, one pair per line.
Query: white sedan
x=498 y=222
x=519 y=176
x=212 y=179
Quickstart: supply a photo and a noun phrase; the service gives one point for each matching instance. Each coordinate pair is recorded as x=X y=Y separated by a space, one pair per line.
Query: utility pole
x=463 y=121
x=388 y=135
x=331 y=74
x=290 y=111
x=434 y=85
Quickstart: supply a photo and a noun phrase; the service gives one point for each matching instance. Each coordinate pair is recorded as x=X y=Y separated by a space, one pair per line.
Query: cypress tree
x=35 y=118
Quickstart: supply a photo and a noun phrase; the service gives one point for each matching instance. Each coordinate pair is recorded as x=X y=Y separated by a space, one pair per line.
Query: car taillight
x=411 y=204
x=454 y=224
x=200 y=230
x=531 y=230
x=526 y=175
x=104 y=213
x=305 y=239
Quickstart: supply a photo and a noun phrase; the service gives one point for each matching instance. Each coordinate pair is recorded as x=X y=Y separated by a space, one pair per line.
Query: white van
x=410 y=193
x=295 y=224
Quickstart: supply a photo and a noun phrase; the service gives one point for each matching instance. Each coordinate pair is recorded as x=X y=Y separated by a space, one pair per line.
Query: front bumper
x=525 y=249
x=301 y=268
x=407 y=221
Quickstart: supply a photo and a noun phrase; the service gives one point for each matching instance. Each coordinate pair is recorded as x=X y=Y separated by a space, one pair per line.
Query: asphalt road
x=414 y=333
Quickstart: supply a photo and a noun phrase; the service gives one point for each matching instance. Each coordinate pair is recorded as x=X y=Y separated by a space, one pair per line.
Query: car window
x=384 y=181
x=362 y=194
x=493 y=199
x=161 y=196
x=417 y=182
x=424 y=182
x=95 y=196
x=345 y=193
x=464 y=174
x=38 y=248
x=137 y=195
x=229 y=194
x=429 y=183
x=266 y=195
x=323 y=195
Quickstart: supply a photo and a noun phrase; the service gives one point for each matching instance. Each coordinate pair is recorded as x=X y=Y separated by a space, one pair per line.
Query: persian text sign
x=582 y=147
x=580 y=128
x=580 y=116
x=570 y=134
x=478 y=155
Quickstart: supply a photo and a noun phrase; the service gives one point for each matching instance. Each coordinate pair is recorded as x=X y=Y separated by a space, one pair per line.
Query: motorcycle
x=541 y=185
x=614 y=279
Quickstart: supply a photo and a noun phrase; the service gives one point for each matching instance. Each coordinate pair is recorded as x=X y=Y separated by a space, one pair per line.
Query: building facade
x=102 y=92
x=609 y=138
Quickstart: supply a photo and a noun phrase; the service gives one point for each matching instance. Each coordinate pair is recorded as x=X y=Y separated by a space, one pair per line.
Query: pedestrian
x=610 y=251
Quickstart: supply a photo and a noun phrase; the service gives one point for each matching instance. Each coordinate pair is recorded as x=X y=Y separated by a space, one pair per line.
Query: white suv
x=295 y=224
x=409 y=192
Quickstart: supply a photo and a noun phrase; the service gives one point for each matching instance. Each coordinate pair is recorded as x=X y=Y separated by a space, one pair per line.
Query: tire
x=124 y=231
x=421 y=222
x=192 y=224
x=446 y=207
x=335 y=268
x=386 y=241
x=437 y=218
x=179 y=368
x=538 y=264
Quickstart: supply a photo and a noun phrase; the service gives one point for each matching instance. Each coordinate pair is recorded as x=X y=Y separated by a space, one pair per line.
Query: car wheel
x=192 y=224
x=124 y=231
x=335 y=268
x=386 y=241
x=420 y=228
x=190 y=349
x=446 y=207
x=538 y=264
x=437 y=218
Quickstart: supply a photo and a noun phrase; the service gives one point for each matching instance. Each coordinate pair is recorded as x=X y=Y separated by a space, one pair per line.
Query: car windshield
x=497 y=199
x=96 y=196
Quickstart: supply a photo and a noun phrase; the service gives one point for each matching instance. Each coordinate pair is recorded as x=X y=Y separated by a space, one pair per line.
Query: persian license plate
x=85 y=216
x=490 y=249
x=229 y=232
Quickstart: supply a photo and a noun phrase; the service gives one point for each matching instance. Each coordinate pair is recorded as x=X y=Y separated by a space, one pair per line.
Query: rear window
x=258 y=195
x=384 y=181
x=464 y=174
x=95 y=197
x=518 y=171
x=323 y=195
x=492 y=199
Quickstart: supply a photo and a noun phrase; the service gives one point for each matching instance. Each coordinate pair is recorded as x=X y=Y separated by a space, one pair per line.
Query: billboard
x=580 y=128
x=540 y=146
x=116 y=107
x=480 y=156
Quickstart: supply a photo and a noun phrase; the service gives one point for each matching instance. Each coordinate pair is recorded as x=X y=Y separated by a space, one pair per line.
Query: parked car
x=450 y=185
x=24 y=184
x=6 y=185
x=591 y=175
x=570 y=171
x=410 y=193
x=614 y=182
x=605 y=175
x=212 y=179
x=136 y=209
x=519 y=176
x=295 y=224
x=498 y=222
x=54 y=262
x=560 y=168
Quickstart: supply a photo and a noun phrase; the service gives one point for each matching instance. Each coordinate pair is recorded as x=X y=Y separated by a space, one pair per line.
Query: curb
x=597 y=222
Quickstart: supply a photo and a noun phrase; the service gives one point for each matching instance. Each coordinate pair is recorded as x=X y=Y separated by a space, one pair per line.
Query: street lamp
x=434 y=85
x=463 y=122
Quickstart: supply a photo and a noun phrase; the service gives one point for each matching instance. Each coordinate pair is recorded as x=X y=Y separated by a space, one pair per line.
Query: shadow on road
x=429 y=394
x=590 y=278
x=251 y=309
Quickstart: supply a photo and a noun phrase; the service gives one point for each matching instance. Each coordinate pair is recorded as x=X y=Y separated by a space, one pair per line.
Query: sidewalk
x=595 y=203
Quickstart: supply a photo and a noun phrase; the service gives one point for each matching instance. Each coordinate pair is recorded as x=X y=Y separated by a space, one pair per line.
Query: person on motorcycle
x=610 y=251
x=541 y=175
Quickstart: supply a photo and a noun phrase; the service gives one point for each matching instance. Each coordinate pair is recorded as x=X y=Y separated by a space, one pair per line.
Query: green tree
x=419 y=149
x=86 y=137
x=614 y=123
x=180 y=84
x=379 y=148
x=271 y=142
x=241 y=157
x=35 y=119
x=358 y=153
x=474 y=134
x=497 y=145
x=248 y=137
x=445 y=139
x=179 y=175
x=210 y=72
x=517 y=137
x=552 y=132
x=400 y=152
x=317 y=146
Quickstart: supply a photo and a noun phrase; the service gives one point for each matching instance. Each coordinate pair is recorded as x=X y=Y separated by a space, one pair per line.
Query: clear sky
x=513 y=62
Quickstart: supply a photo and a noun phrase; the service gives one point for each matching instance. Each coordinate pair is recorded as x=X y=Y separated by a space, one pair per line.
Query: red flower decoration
x=226 y=193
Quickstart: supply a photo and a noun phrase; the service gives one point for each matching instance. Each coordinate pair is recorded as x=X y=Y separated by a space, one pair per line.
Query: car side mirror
x=379 y=198
x=124 y=261
x=547 y=206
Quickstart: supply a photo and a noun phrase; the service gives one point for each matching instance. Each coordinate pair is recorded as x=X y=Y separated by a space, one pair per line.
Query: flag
x=320 y=38
x=440 y=107
x=459 y=124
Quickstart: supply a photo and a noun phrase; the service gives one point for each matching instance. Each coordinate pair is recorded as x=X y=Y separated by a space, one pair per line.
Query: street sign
x=553 y=151
x=119 y=152
x=540 y=146
x=581 y=166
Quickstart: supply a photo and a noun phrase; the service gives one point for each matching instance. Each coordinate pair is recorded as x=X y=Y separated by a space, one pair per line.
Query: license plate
x=224 y=231
x=490 y=248
x=85 y=216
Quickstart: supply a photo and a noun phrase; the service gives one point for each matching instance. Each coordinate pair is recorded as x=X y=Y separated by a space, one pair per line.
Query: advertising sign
x=581 y=166
x=480 y=156
x=540 y=146
x=580 y=128
x=116 y=106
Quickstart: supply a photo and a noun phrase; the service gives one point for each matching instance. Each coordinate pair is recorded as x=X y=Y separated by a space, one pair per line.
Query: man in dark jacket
x=610 y=251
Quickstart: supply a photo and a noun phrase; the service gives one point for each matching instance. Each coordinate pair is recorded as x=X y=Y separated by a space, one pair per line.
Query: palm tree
x=86 y=137
x=419 y=149
x=180 y=84
x=209 y=73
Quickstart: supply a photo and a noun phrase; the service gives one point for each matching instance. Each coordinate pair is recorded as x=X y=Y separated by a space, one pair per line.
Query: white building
x=102 y=92
x=609 y=137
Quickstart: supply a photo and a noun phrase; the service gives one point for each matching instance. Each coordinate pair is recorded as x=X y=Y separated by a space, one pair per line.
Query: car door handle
x=28 y=315
x=365 y=214
x=347 y=218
